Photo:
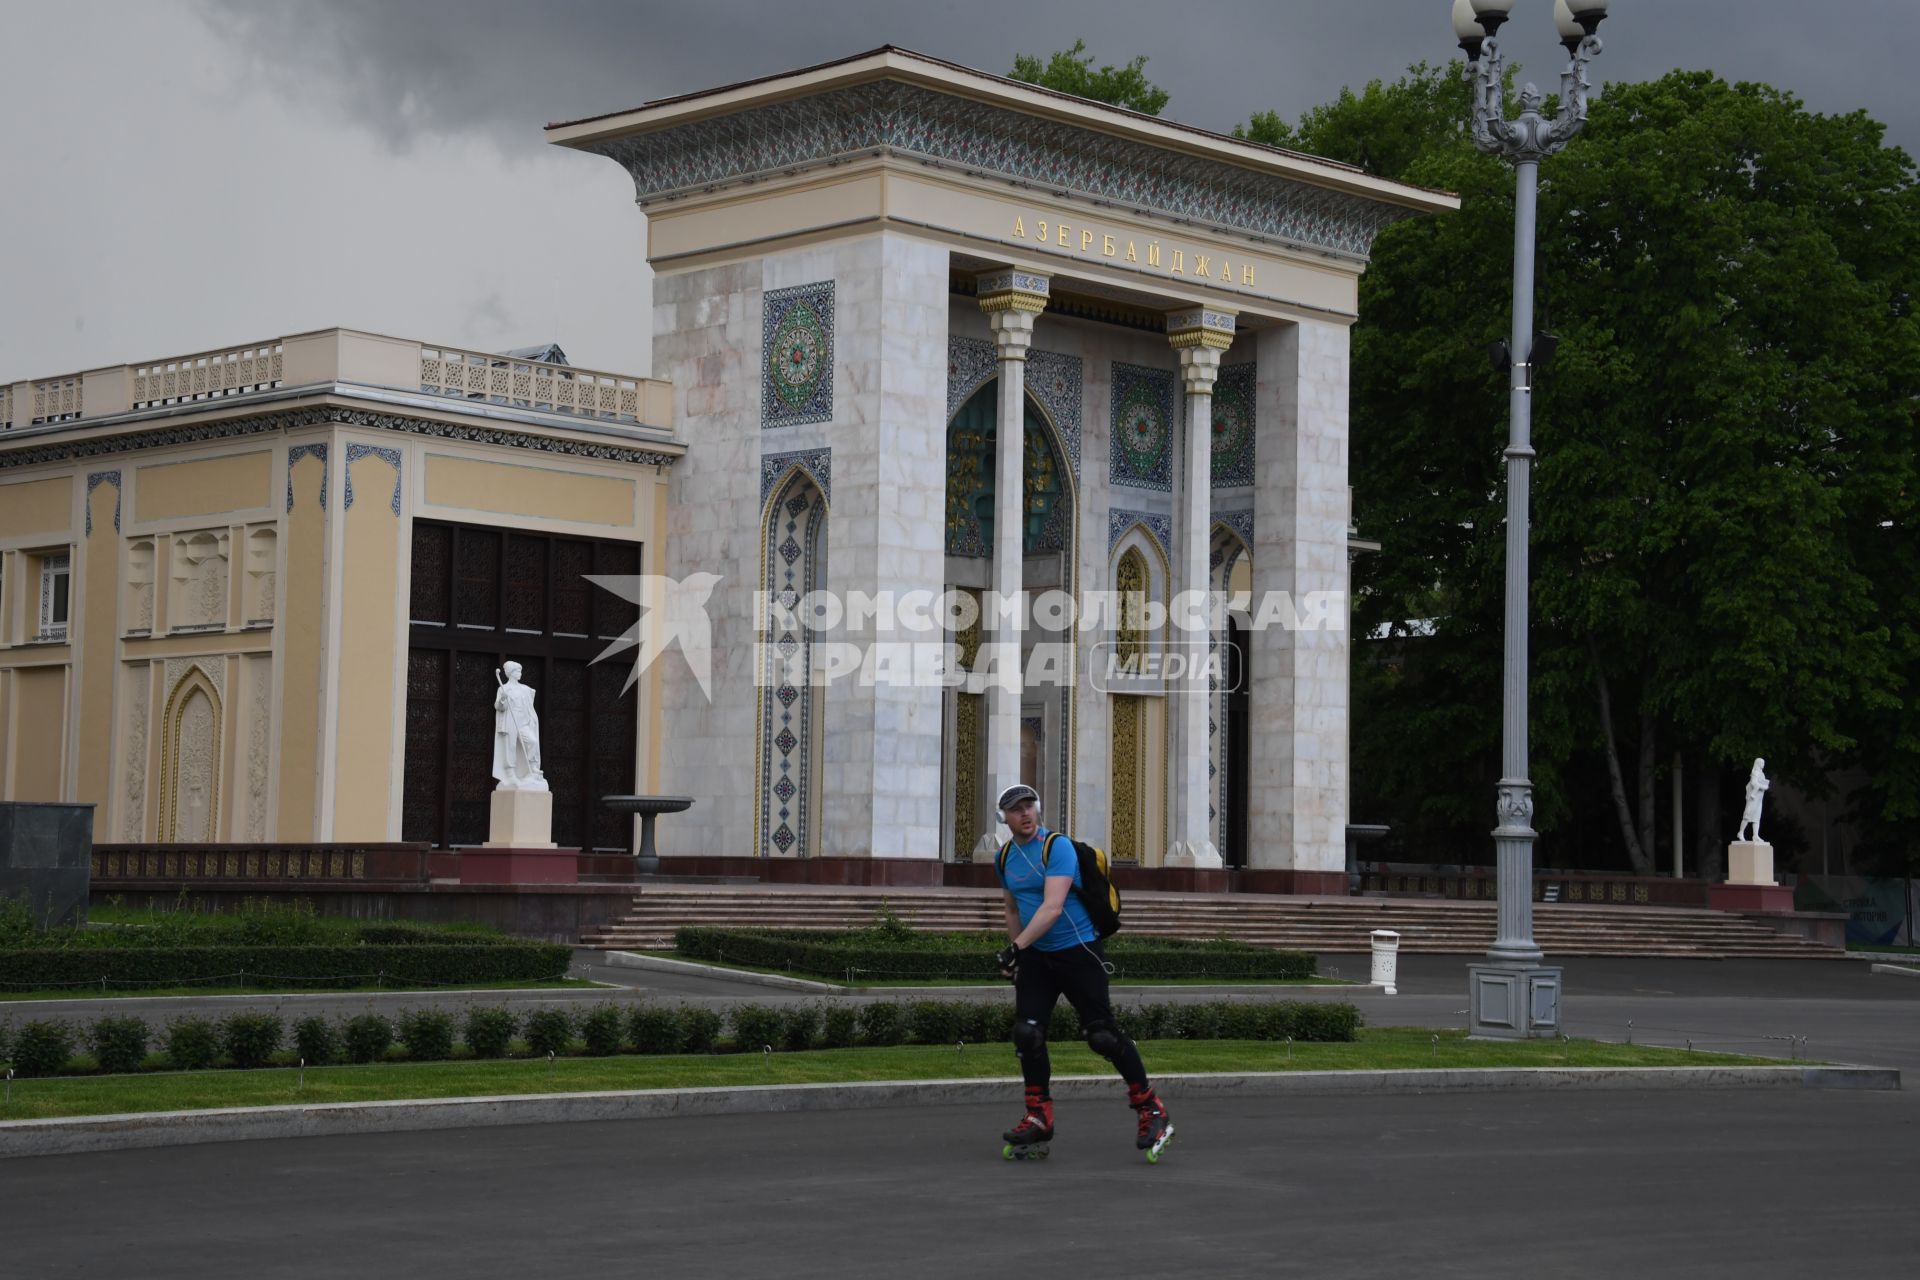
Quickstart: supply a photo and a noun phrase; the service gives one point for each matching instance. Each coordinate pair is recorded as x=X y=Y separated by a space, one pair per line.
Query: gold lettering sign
x=1173 y=261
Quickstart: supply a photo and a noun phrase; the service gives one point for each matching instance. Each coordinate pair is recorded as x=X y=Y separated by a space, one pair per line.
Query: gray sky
x=185 y=174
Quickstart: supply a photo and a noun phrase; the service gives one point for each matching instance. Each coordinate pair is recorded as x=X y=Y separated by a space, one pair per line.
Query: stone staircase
x=1320 y=925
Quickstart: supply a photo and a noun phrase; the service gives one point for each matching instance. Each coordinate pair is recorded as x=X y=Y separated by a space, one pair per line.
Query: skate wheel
x=1006 y=1152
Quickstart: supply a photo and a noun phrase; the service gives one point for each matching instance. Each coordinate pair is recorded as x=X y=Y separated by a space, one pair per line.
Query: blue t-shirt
x=1025 y=877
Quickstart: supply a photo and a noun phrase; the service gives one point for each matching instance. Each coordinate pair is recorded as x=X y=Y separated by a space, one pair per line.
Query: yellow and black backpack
x=1097 y=892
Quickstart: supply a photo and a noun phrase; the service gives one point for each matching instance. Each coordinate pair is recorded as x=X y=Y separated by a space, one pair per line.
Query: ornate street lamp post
x=1514 y=995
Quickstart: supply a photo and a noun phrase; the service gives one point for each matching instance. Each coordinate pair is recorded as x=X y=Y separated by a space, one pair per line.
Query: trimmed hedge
x=876 y=954
x=489 y=1031
x=191 y=1043
x=427 y=1033
x=251 y=1039
x=427 y=963
x=316 y=1041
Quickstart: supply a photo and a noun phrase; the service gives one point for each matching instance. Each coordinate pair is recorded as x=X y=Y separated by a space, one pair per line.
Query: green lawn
x=1377 y=1048
x=317 y=987
x=1887 y=948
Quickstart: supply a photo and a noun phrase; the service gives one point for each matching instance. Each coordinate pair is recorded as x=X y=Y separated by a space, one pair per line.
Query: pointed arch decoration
x=1230 y=544
x=190 y=759
x=793 y=565
x=1136 y=771
x=1053 y=423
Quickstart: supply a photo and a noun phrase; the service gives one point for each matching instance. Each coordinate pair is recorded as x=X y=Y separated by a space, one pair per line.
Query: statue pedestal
x=1750 y=885
x=1749 y=862
x=520 y=820
x=520 y=848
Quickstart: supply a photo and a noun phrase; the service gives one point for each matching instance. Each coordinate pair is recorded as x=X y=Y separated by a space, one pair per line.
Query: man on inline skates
x=1054 y=951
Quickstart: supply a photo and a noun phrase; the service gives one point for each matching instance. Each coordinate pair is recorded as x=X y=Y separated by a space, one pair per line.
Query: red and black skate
x=1028 y=1140
x=1156 y=1126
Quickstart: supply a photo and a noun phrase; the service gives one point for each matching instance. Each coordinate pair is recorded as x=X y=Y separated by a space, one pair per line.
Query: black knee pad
x=1028 y=1036
x=1104 y=1038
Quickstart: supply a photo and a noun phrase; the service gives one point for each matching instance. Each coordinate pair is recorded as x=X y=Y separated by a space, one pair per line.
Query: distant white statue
x=516 y=734
x=1757 y=785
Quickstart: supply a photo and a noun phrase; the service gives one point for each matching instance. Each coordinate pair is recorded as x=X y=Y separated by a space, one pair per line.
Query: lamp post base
x=1513 y=1002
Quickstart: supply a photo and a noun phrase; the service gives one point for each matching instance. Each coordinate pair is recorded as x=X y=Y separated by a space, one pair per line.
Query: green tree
x=1072 y=71
x=1723 y=542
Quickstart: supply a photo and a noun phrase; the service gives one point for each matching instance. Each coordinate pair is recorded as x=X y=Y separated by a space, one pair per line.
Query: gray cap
x=1014 y=795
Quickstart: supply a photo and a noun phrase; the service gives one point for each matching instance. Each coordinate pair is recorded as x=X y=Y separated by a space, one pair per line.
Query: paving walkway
x=1737 y=1185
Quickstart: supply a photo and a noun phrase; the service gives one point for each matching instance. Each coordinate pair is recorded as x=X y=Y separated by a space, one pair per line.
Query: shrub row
x=869 y=955
x=258 y=923
x=120 y=1044
x=32 y=967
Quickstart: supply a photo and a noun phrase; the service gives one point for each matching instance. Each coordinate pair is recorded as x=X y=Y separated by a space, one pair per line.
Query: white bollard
x=1386 y=959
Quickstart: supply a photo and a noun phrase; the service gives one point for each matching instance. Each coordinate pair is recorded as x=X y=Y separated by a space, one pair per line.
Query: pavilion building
x=916 y=329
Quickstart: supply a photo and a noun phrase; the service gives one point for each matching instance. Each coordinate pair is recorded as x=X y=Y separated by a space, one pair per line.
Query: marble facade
x=927 y=238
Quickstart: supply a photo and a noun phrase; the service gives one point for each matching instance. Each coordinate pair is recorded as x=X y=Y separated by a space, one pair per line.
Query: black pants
x=1079 y=974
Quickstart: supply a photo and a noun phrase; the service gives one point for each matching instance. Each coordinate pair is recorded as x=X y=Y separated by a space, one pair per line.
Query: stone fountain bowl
x=649 y=808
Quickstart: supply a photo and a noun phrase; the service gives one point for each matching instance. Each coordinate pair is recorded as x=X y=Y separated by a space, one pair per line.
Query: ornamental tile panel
x=1054 y=380
x=796 y=358
x=298 y=452
x=970 y=363
x=1052 y=377
x=94 y=481
x=1161 y=527
x=391 y=457
x=1241 y=522
x=1233 y=433
x=817 y=463
x=926 y=124
x=1140 y=442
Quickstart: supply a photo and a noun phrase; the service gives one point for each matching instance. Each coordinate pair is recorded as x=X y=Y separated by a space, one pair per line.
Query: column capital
x=1012 y=330
x=1210 y=327
x=1013 y=288
x=1199 y=368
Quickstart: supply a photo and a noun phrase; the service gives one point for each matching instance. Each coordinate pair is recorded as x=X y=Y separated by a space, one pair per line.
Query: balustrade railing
x=208 y=375
x=260 y=863
x=529 y=384
x=336 y=356
x=57 y=399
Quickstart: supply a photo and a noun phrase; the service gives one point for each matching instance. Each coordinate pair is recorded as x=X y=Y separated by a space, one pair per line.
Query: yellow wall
x=529 y=491
x=94 y=626
x=38 y=506
x=303 y=613
x=237 y=483
x=39 y=713
x=364 y=774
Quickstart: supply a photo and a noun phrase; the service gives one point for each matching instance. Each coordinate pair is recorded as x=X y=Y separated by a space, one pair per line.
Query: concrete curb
x=634 y=960
x=1896 y=968
x=19 y=1138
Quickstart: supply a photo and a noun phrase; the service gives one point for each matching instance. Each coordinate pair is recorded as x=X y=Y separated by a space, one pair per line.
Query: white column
x=1012 y=300
x=1200 y=335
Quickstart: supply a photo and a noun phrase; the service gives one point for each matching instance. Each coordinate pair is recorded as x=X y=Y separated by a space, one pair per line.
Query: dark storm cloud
x=408 y=69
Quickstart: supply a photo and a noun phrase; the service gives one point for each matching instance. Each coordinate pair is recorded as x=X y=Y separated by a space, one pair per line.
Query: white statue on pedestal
x=516 y=734
x=1757 y=785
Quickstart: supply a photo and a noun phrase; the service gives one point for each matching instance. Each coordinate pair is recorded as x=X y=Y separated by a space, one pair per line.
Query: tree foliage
x=1723 y=517
x=1072 y=71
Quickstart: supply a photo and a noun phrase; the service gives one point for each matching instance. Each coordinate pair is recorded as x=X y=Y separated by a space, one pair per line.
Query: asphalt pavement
x=1746 y=1185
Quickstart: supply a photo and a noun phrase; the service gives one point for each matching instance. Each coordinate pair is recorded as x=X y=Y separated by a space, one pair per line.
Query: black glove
x=1009 y=962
